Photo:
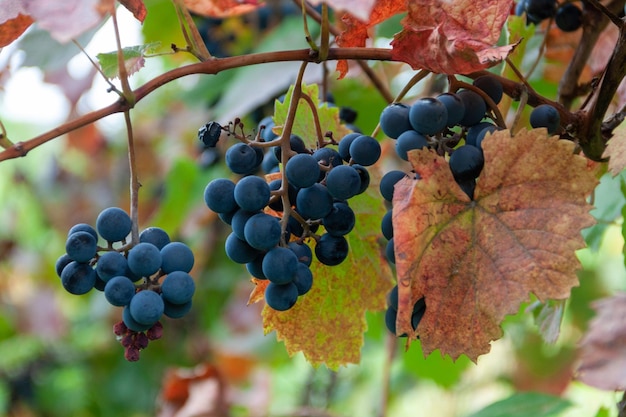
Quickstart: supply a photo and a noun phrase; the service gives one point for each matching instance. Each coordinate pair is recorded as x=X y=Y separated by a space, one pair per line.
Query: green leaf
x=134 y=59
x=435 y=367
x=327 y=324
x=304 y=124
x=525 y=404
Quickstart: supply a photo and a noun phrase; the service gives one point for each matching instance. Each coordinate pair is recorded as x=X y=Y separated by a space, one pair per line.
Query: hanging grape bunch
x=567 y=16
x=304 y=200
x=149 y=279
x=453 y=123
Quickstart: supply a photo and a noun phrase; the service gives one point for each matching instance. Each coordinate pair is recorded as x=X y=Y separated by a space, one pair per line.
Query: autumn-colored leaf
x=603 y=348
x=327 y=323
x=136 y=7
x=304 y=121
x=65 y=20
x=476 y=261
x=134 y=59
x=357 y=29
x=221 y=8
x=360 y=9
x=616 y=152
x=452 y=37
x=11 y=29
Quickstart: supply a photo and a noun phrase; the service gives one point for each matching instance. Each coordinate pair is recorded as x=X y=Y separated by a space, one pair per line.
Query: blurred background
x=58 y=354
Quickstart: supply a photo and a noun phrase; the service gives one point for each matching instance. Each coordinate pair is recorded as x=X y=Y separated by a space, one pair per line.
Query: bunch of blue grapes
x=149 y=279
x=567 y=15
x=273 y=217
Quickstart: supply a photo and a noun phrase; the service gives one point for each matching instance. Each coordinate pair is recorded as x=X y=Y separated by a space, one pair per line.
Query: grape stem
x=316 y=120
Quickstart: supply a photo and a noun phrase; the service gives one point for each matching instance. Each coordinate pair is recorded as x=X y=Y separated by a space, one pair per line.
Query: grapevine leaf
x=11 y=29
x=357 y=28
x=136 y=7
x=603 y=348
x=134 y=59
x=616 y=152
x=475 y=261
x=452 y=37
x=11 y=9
x=360 y=9
x=525 y=404
x=304 y=123
x=548 y=318
x=327 y=323
x=221 y=8
x=65 y=20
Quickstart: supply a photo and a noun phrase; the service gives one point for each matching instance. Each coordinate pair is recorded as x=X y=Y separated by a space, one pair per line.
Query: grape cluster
x=567 y=16
x=148 y=279
x=306 y=198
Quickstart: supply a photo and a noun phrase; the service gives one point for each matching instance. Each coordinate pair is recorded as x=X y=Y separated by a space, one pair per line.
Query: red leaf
x=136 y=7
x=452 y=37
x=603 y=349
x=360 y=9
x=13 y=28
x=357 y=31
x=475 y=261
x=221 y=8
x=67 y=19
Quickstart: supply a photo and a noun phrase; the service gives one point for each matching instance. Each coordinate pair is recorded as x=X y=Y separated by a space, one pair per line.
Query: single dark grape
x=262 y=231
x=331 y=250
x=113 y=224
x=242 y=158
x=390 y=252
x=62 y=261
x=270 y=163
x=296 y=144
x=303 y=279
x=347 y=114
x=475 y=107
x=418 y=312
x=303 y=252
x=314 y=202
x=394 y=120
x=344 y=145
x=219 y=195
x=119 y=290
x=365 y=150
x=386 y=225
x=468 y=186
x=483 y=133
x=267 y=124
x=546 y=116
x=280 y=265
x=340 y=221
x=178 y=287
x=466 y=162
x=144 y=259
x=541 y=9
x=239 y=250
x=428 y=116
x=568 y=17
x=146 y=307
x=81 y=246
x=455 y=107
x=83 y=227
x=131 y=323
x=155 y=235
x=255 y=267
x=365 y=177
x=491 y=86
x=78 y=278
x=111 y=264
x=239 y=220
x=408 y=141
x=388 y=182
x=329 y=157
x=281 y=297
x=473 y=131
x=209 y=134
x=302 y=170
x=343 y=182
x=176 y=256
x=99 y=284
x=391 y=316
x=176 y=311
x=392 y=298
x=252 y=193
